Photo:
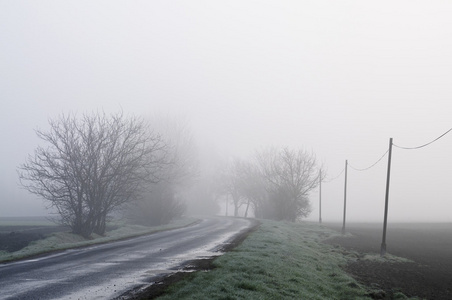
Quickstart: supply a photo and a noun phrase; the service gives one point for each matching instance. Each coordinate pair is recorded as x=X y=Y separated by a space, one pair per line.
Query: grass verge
x=59 y=241
x=278 y=261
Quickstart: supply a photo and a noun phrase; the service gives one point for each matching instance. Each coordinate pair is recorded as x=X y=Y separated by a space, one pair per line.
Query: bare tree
x=252 y=188
x=165 y=200
x=290 y=175
x=92 y=166
x=204 y=195
x=159 y=205
x=234 y=182
x=208 y=189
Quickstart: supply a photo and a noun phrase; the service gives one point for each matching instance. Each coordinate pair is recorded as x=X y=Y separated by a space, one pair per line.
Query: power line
x=365 y=169
x=336 y=177
x=418 y=147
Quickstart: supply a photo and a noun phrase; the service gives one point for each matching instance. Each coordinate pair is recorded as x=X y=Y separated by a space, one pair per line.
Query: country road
x=107 y=271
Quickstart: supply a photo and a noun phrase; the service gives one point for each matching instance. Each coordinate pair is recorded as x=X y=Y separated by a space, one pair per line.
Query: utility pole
x=385 y=222
x=320 y=196
x=345 y=197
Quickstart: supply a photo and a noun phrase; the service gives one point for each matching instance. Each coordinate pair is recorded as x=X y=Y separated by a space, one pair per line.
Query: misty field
x=24 y=237
x=308 y=261
x=427 y=245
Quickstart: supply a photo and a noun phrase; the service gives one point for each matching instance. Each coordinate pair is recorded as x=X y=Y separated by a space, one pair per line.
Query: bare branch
x=93 y=165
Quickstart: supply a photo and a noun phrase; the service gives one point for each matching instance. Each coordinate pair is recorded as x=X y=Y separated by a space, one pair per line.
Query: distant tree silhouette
x=290 y=176
x=165 y=200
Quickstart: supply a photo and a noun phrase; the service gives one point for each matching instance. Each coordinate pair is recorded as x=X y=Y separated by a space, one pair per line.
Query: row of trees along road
x=94 y=165
x=275 y=183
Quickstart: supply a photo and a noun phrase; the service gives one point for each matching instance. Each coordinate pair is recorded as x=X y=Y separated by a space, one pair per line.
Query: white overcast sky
x=338 y=78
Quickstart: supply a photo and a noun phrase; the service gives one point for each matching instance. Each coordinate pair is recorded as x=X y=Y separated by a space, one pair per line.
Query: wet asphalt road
x=107 y=271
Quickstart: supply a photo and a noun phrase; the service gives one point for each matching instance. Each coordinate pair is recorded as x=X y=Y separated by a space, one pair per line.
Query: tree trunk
x=247 y=207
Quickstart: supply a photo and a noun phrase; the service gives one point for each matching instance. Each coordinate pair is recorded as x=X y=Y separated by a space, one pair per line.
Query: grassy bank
x=278 y=261
x=65 y=240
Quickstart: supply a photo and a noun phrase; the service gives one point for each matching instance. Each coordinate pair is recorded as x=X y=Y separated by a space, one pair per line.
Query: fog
x=336 y=78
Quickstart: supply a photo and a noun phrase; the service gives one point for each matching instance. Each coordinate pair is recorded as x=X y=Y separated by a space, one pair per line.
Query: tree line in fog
x=94 y=166
x=275 y=183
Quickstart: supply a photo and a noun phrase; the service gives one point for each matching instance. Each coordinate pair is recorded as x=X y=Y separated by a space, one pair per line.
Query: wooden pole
x=385 y=222
x=320 y=197
x=345 y=197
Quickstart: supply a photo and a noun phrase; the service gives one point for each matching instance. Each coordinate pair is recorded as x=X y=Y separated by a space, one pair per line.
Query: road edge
x=161 y=283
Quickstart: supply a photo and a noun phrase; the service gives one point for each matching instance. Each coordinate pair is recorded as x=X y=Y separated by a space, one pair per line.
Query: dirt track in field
x=428 y=245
